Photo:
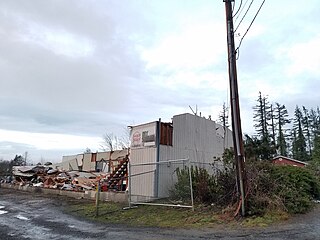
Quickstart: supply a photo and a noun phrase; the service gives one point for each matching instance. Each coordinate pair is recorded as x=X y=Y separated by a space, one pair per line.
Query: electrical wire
x=239 y=14
x=238 y=9
x=244 y=15
x=255 y=16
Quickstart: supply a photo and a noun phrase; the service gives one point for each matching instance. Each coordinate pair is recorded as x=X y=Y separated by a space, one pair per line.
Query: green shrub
x=269 y=187
x=218 y=189
x=297 y=187
x=181 y=190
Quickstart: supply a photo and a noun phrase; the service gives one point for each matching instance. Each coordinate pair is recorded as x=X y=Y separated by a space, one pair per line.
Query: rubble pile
x=47 y=177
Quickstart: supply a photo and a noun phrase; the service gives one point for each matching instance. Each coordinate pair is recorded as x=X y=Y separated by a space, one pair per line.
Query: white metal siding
x=87 y=164
x=103 y=155
x=143 y=185
x=195 y=138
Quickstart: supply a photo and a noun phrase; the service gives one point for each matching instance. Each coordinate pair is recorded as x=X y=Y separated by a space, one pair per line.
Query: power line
x=244 y=5
x=238 y=9
x=244 y=15
x=255 y=16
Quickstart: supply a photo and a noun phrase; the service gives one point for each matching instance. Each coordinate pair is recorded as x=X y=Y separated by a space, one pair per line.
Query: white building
x=188 y=137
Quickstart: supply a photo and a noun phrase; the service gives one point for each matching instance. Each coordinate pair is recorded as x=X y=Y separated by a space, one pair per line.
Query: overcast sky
x=74 y=70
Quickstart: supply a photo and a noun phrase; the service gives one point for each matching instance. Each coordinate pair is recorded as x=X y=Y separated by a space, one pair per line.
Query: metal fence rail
x=184 y=162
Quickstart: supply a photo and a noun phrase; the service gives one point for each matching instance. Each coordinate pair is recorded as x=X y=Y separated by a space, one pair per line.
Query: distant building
x=281 y=160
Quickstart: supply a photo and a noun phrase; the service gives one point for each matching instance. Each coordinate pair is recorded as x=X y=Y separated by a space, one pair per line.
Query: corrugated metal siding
x=114 y=155
x=87 y=164
x=73 y=160
x=143 y=185
x=68 y=158
x=61 y=166
x=167 y=172
x=73 y=165
x=195 y=138
x=103 y=155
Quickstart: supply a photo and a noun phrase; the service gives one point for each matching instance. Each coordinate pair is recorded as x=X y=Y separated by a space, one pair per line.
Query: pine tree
x=223 y=120
x=251 y=147
x=315 y=128
x=306 y=123
x=299 y=148
x=18 y=161
x=282 y=118
x=223 y=116
x=316 y=151
x=314 y=117
x=261 y=117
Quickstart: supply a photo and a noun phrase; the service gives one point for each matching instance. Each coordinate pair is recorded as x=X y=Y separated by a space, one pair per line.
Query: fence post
x=97 y=199
x=191 y=189
x=129 y=179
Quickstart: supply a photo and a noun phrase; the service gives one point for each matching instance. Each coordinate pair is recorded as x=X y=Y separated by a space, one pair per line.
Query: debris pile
x=47 y=177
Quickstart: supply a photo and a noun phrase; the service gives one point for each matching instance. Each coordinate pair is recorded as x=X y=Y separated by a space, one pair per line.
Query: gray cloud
x=52 y=92
x=75 y=67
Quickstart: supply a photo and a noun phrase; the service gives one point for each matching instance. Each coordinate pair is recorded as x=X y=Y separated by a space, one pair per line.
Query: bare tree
x=125 y=139
x=112 y=143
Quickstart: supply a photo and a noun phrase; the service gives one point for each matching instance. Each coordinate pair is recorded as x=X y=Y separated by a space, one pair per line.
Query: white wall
x=143 y=186
x=199 y=139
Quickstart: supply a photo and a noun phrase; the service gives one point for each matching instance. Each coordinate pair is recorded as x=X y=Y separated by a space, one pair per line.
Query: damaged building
x=148 y=168
x=189 y=137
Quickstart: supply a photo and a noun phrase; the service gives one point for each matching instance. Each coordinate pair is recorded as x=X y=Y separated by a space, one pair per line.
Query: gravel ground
x=33 y=216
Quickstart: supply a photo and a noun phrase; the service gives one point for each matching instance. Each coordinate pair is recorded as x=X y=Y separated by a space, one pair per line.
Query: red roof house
x=281 y=160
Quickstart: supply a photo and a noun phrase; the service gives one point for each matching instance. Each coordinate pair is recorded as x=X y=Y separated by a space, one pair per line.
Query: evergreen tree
x=261 y=117
x=272 y=126
x=223 y=116
x=306 y=123
x=282 y=118
x=251 y=147
x=5 y=168
x=316 y=151
x=315 y=128
x=299 y=148
x=223 y=120
x=18 y=161
x=314 y=117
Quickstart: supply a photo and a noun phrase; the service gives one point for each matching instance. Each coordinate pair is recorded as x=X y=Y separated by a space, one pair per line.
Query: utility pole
x=235 y=108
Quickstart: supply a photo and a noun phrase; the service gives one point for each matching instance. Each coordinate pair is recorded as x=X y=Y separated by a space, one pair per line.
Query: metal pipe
x=160 y=204
x=162 y=162
x=138 y=174
x=156 y=181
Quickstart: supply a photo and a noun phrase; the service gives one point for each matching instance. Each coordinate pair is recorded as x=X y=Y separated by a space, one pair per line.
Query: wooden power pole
x=235 y=108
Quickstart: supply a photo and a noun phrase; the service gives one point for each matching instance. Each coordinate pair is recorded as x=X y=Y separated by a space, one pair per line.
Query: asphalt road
x=32 y=216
